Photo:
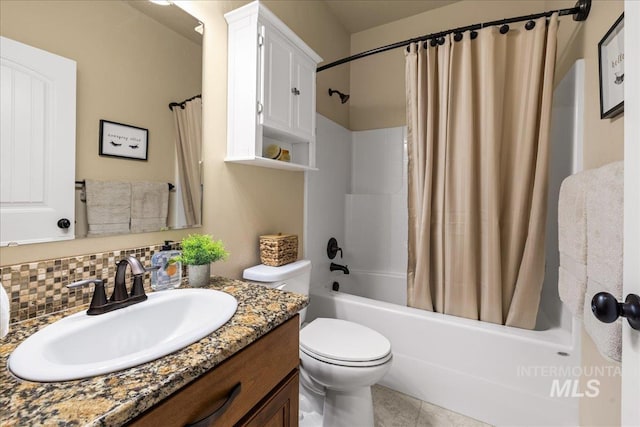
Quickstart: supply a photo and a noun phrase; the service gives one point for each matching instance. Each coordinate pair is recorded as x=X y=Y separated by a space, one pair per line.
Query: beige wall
x=603 y=139
x=603 y=143
x=377 y=82
x=129 y=68
x=240 y=202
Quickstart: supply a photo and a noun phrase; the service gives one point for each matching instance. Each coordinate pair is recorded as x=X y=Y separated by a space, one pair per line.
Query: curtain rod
x=181 y=104
x=580 y=12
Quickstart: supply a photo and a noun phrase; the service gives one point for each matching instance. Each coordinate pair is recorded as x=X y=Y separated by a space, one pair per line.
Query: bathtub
x=497 y=374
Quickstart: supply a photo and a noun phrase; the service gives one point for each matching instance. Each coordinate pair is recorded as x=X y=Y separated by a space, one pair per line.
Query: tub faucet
x=338 y=267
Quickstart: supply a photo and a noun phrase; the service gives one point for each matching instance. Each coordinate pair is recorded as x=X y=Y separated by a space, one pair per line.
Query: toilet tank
x=293 y=277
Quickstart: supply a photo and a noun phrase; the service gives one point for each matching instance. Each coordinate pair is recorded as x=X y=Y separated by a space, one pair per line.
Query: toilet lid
x=341 y=340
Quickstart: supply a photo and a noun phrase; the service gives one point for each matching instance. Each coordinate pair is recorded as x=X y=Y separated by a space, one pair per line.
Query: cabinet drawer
x=258 y=369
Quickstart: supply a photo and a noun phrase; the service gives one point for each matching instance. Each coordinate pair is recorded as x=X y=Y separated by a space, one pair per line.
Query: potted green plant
x=198 y=252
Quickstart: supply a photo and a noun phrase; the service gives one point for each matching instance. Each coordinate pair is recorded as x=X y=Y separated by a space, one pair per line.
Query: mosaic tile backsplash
x=39 y=288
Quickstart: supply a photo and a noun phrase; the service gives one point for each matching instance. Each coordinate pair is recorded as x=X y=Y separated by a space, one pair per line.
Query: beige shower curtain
x=478 y=116
x=188 y=121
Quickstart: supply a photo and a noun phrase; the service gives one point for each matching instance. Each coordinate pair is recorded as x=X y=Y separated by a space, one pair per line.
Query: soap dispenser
x=168 y=272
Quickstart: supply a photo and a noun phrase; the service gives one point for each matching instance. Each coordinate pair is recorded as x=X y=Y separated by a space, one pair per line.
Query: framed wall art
x=611 y=62
x=124 y=141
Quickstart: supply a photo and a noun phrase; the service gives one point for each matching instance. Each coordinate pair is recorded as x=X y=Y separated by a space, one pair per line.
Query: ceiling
x=170 y=16
x=354 y=15
x=359 y=15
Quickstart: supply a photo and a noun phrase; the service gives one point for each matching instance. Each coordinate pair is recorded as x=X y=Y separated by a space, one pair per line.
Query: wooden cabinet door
x=280 y=409
x=235 y=387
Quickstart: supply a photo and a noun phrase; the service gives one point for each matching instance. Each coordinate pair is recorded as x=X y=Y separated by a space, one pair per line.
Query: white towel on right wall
x=604 y=206
x=572 y=241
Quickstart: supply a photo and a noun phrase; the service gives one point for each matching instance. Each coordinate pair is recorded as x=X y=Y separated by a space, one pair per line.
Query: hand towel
x=149 y=206
x=572 y=242
x=108 y=207
x=5 y=312
x=605 y=253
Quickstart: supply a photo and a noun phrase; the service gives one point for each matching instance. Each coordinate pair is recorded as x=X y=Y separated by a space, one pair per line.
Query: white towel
x=149 y=206
x=605 y=253
x=572 y=241
x=108 y=207
x=5 y=312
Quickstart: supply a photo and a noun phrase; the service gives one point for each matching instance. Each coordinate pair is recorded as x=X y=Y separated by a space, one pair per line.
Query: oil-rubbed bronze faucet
x=120 y=298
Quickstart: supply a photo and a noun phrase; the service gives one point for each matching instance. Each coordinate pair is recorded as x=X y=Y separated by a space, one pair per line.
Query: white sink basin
x=81 y=346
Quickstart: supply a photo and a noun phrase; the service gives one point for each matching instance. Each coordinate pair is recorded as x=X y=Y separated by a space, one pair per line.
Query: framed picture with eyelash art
x=124 y=141
x=611 y=67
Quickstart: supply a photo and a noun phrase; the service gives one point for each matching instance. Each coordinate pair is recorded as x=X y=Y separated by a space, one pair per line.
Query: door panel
x=631 y=280
x=37 y=182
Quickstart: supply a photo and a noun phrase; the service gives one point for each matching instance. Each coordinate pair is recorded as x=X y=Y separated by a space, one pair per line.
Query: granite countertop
x=114 y=399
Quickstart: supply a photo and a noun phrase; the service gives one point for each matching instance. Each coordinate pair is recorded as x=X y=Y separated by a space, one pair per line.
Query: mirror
x=134 y=58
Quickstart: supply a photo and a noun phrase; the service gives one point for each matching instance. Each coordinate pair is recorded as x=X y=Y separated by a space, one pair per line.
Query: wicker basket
x=278 y=249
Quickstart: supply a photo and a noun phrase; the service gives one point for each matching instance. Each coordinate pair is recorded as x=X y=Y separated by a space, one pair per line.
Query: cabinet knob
x=64 y=223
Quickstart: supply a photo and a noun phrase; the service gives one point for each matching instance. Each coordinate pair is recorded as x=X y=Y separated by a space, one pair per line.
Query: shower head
x=343 y=97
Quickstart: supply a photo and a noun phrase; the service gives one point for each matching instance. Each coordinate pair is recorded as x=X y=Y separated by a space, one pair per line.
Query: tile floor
x=394 y=409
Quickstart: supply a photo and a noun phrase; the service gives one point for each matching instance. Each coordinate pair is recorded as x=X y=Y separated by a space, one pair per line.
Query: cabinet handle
x=207 y=420
x=260 y=107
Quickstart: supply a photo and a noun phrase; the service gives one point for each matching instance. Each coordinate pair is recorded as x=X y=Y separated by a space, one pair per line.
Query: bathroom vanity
x=244 y=373
x=256 y=387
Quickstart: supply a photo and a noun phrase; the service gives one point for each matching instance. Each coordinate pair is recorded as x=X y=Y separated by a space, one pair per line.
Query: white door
x=37 y=143
x=631 y=337
x=278 y=57
x=304 y=72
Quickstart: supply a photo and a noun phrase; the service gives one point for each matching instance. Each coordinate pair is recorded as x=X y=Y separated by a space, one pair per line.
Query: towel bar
x=171 y=186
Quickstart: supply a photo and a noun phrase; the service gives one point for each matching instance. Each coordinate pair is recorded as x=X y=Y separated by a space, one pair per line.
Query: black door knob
x=64 y=223
x=607 y=309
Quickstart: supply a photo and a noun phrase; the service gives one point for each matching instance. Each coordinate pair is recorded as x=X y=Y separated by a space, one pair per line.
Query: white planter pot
x=199 y=275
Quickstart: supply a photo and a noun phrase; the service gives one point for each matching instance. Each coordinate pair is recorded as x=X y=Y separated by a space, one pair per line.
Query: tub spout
x=338 y=267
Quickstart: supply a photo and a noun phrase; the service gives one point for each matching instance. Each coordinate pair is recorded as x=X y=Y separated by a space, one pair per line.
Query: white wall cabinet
x=271 y=92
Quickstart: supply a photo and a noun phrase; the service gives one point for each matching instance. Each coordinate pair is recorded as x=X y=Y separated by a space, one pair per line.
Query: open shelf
x=269 y=163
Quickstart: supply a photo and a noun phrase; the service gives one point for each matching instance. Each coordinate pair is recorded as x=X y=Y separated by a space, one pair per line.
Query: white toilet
x=340 y=360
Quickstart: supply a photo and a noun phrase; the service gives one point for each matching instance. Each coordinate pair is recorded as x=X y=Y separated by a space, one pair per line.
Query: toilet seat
x=348 y=363
x=344 y=343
